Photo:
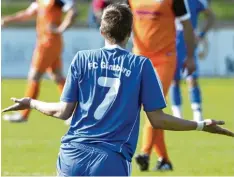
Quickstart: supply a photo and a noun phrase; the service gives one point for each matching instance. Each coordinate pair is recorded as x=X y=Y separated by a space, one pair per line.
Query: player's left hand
x=20 y=104
x=213 y=126
x=54 y=29
x=189 y=64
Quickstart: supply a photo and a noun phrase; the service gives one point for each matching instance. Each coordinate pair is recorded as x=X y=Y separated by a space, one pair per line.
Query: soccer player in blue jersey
x=196 y=7
x=104 y=91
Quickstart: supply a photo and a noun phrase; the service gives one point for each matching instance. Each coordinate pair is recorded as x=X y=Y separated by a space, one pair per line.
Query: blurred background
x=32 y=148
x=224 y=9
x=219 y=59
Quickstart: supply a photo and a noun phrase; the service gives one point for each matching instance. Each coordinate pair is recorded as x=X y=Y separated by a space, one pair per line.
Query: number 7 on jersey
x=113 y=84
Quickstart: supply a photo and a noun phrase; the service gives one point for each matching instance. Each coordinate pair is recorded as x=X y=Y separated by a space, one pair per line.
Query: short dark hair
x=116 y=22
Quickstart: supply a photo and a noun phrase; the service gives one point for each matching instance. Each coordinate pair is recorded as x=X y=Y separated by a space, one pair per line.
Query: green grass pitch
x=31 y=148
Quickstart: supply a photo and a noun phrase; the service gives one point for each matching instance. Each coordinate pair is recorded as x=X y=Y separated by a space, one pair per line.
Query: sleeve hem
x=32 y=7
x=67 y=6
x=69 y=100
x=184 y=17
x=154 y=108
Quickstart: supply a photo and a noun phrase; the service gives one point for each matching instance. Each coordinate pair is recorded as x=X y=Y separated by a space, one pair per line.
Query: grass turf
x=31 y=148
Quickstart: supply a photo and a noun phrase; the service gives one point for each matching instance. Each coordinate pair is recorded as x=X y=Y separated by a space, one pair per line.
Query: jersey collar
x=112 y=46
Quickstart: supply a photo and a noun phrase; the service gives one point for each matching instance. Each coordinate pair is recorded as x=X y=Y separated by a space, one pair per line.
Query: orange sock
x=61 y=85
x=160 y=145
x=32 y=92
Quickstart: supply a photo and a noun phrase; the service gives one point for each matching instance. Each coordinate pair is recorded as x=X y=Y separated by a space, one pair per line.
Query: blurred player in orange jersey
x=47 y=54
x=154 y=36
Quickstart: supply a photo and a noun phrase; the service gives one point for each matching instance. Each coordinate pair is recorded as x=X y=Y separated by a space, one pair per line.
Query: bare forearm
x=68 y=21
x=189 y=39
x=18 y=17
x=209 y=22
x=49 y=109
x=168 y=122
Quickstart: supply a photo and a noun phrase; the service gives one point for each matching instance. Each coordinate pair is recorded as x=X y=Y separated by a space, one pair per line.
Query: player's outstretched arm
x=160 y=120
x=61 y=110
x=68 y=20
x=21 y=16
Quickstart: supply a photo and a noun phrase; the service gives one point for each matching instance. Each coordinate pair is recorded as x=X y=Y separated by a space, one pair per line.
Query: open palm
x=213 y=126
x=20 y=104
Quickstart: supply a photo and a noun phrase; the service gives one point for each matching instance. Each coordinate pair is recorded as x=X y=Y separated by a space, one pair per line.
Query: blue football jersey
x=194 y=7
x=110 y=85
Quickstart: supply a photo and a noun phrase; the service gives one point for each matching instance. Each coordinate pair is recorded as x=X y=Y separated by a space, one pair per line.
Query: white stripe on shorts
x=129 y=167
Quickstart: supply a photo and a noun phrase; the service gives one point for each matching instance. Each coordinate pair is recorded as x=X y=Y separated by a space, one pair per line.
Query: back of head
x=116 y=23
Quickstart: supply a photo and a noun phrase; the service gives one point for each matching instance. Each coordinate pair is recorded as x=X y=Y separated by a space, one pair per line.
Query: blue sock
x=175 y=95
x=195 y=95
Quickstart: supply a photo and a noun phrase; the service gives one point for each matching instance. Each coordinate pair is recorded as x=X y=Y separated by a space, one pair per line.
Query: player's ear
x=100 y=29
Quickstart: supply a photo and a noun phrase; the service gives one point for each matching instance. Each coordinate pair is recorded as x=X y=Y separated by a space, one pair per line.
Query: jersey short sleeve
x=71 y=89
x=202 y=5
x=151 y=95
x=65 y=4
x=33 y=7
x=181 y=9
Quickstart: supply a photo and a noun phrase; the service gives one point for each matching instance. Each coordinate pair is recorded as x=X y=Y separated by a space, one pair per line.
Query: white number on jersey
x=113 y=84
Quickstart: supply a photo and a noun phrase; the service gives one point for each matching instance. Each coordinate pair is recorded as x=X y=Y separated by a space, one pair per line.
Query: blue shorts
x=181 y=55
x=77 y=159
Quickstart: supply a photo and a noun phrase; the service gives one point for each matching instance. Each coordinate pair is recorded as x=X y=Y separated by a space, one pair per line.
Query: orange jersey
x=48 y=14
x=47 y=54
x=154 y=25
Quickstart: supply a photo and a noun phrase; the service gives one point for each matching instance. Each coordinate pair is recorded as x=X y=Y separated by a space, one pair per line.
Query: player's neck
x=109 y=44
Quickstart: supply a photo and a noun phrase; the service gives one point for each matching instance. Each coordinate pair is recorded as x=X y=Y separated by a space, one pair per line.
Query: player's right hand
x=189 y=65
x=213 y=126
x=20 y=104
x=203 y=50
